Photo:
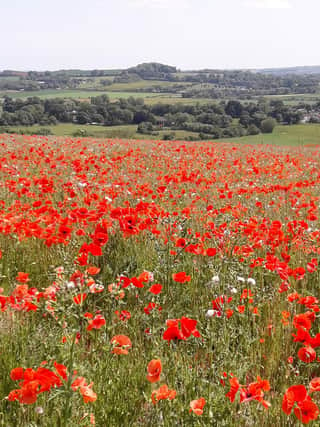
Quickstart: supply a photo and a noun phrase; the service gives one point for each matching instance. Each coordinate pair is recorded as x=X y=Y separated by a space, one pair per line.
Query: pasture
x=70 y=93
x=95 y=82
x=282 y=135
x=303 y=134
x=294 y=99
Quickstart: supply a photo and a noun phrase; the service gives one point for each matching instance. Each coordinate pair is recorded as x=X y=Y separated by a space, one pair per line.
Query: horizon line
x=150 y=62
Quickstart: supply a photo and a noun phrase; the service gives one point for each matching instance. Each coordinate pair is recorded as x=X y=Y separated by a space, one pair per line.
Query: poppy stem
x=67 y=406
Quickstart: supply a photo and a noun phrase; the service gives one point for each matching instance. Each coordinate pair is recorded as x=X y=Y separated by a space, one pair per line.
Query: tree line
x=214 y=120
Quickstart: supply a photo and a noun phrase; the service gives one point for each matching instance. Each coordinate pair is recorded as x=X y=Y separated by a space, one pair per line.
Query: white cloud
x=269 y=4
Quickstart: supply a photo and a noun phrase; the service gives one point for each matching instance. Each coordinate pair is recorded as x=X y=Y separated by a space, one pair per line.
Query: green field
x=143 y=84
x=9 y=78
x=140 y=84
x=293 y=99
x=177 y=99
x=75 y=94
x=96 y=131
x=286 y=135
x=282 y=135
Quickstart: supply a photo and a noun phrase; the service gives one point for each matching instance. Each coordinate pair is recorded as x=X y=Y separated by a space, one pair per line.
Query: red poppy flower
x=155 y=289
x=196 y=406
x=87 y=393
x=211 y=251
x=121 y=344
x=234 y=387
x=181 y=277
x=173 y=333
x=124 y=315
x=28 y=393
x=145 y=277
x=22 y=277
x=181 y=243
x=312 y=265
x=93 y=270
x=96 y=323
x=80 y=298
x=16 y=374
x=303 y=320
x=307 y=354
x=62 y=370
x=306 y=411
x=162 y=393
x=314 y=385
x=154 y=370
x=78 y=382
x=295 y=393
x=188 y=327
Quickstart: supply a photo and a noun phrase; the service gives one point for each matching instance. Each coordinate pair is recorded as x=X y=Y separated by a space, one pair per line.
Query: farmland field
x=304 y=134
x=97 y=131
x=132 y=86
x=152 y=283
x=178 y=99
x=282 y=135
x=307 y=98
x=69 y=93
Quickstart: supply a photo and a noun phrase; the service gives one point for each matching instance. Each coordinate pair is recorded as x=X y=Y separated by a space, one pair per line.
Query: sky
x=189 y=34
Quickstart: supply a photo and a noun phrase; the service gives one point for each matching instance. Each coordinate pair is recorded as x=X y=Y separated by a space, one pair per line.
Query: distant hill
x=156 y=78
x=313 y=69
x=152 y=70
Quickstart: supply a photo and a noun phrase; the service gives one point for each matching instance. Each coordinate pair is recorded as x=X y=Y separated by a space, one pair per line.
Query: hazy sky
x=190 y=34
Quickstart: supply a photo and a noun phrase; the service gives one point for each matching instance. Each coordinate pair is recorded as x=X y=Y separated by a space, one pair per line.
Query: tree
x=253 y=130
x=100 y=100
x=268 y=125
x=145 y=127
x=234 y=109
x=142 y=116
x=83 y=118
x=245 y=119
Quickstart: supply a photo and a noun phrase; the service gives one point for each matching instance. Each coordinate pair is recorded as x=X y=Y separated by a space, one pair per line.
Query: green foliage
x=81 y=133
x=268 y=125
x=145 y=127
x=253 y=130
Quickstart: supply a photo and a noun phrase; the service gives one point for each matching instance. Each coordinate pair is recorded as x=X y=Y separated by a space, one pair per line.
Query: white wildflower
x=210 y=313
x=70 y=285
x=213 y=313
x=95 y=288
x=215 y=279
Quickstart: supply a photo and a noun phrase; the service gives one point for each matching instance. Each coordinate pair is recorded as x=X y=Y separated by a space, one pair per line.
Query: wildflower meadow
x=158 y=283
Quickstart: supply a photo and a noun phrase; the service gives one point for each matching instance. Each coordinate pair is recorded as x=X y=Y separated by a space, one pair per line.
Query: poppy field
x=158 y=283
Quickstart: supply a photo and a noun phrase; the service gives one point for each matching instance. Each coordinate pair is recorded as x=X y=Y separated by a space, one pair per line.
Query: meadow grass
x=9 y=78
x=132 y=86
x=303 y=134
x=295 y=98
x=97 y=131
x=282 y=135
x=70 y=93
